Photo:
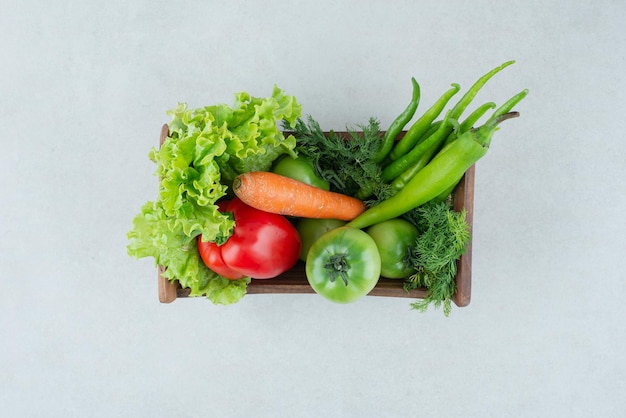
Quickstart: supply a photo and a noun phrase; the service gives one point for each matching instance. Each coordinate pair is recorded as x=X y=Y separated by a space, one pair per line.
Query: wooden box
x=295 y=281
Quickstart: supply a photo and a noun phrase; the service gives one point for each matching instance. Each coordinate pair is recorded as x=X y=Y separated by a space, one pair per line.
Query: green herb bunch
x=444 y=236
x=346 y=162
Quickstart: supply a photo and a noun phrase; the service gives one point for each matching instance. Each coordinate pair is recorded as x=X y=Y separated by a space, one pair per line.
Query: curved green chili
x=498 y=113
x=400 y=181
x=467 y=98
x=431 y=130
x=403 y=179
x=444 y=195
x=457 y=110
x=469 y=122
x=508 y=105
x=473 y=117
x=399 y=123
x=398 y=166
x=416 y=131
x=446 y=168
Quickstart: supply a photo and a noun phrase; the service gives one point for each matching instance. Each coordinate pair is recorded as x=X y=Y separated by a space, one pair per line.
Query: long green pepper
x=418 y=129
x=444 y=170
x=399 y=166
x=399 y=123
x=457 y=110
x=451 y=134
x=468 y=124
x=508 y=105
x=467 y=98
x=403 y=179
x=400 y=181
x=473 y=117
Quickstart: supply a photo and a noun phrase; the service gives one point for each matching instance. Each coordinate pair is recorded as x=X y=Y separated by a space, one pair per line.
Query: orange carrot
x=274 y=193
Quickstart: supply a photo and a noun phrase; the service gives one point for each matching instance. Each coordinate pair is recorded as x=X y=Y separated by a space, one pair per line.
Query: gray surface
x=84 y=88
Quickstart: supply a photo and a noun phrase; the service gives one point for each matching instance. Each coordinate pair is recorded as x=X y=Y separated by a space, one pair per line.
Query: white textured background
x=84 y=86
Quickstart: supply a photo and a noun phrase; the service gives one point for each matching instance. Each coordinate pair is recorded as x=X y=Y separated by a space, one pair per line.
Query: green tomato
x=343 y=265
x=395 y=240
x=311 y=229
x=301 y=169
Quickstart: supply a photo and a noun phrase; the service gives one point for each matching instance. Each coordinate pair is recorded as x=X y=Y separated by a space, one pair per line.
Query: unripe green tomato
x=301 y=169
x=395 y=238
x=343 y=265
x=311 y=229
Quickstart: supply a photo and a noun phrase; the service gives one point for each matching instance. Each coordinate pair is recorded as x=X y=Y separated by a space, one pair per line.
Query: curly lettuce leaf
x=206 y=148
x=163 y=238
x=257 y=140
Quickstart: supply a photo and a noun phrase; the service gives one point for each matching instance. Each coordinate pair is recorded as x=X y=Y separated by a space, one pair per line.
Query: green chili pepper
x=444 y=195
x=508 y=105
x=417 y=164
x=455 y=113
x=399 y=182
x=471 y=120
x=398 y=166
x=446 y=168
x=468 y=123
x=505 y=108
x=467 y=98
x=431 y=130
x=399 y=123
x=416 y=131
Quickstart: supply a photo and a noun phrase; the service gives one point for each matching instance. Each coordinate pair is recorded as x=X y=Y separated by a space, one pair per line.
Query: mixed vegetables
x=243 y=198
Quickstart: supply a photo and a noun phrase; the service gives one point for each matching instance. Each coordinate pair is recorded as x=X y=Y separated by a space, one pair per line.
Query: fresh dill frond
x=347 y=163
x=444 y=236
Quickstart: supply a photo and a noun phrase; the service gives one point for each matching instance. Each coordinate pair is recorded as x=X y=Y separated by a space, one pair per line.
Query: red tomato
x=263 y=245
x=211 y=254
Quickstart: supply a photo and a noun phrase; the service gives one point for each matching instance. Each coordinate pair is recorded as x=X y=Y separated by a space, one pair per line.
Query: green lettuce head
x=205 y=149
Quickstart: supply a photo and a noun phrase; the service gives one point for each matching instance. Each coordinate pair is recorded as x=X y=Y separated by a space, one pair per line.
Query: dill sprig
x=347 y=163
x=444 y=236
